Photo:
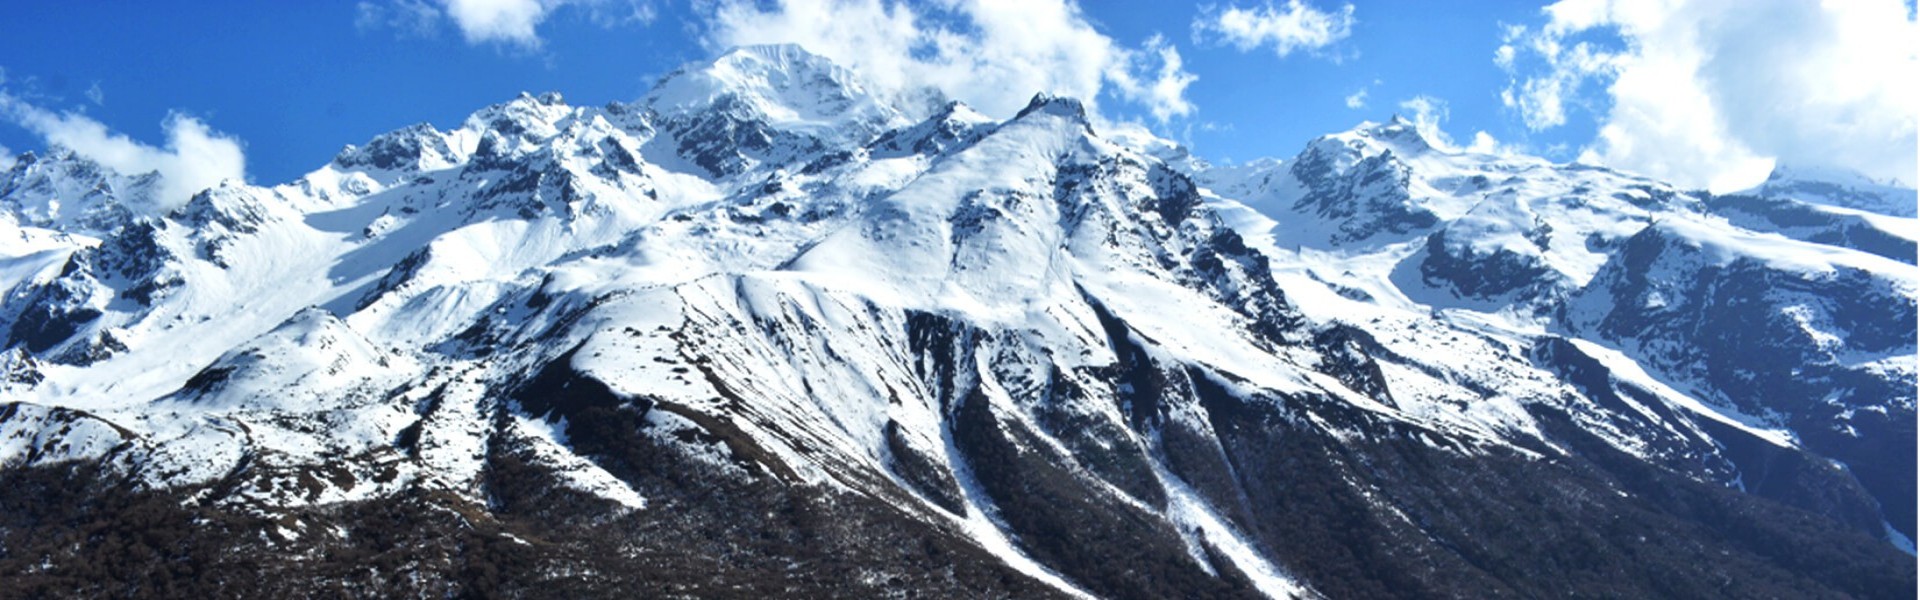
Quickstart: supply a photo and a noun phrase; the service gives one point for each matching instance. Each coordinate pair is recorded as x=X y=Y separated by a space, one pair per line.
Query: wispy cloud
x=1292 y=27
x=1430 y=114
x=1166 y=95
x=408 y=18
x=1712 y=93
x=513 y=23
x=992 y=54
x=1427 y=114
x=1358 y=99
x=194 y=158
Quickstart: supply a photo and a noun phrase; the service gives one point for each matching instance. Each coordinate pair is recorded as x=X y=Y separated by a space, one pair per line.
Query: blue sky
x=1593 y=80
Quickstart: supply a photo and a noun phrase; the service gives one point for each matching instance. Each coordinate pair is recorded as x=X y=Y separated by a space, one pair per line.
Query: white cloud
x=1358 y=99
x=510 y=22
x=1542 y=99
x=1166 y=96
x=1428 y=114
x=194 y=158
x=414 y=18
x=1296 y=26
x=991 y=54
x=96 y=95
x=1484 y=143
x=615 y=13
x=1714 y=92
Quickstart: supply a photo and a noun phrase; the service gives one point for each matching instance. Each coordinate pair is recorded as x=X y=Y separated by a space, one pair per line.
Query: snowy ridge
x=768 y=273
x=1840 y=188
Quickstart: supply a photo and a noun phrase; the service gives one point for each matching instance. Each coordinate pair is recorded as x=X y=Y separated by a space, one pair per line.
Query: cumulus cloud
x=194 y=158
x=1484 y=143
x=510 y=22
x=991 y=54
x=1714 y=92
x=1294 y=26
x=499 y=20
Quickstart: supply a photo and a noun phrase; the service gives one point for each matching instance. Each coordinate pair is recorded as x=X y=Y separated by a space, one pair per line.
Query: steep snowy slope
x=1760 y=308
x=69 y=193
x=1839 y=188
x=768 y=332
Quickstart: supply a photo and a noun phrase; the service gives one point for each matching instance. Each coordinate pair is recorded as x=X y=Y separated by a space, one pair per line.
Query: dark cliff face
x=1486 y=275
x=730 y=140
x=1369 y=198
x=1807 y=222
x=1751 y=334
x=409 y=148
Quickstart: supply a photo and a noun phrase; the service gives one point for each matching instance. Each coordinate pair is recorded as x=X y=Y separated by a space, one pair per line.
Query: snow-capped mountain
x=769 y=331
x=1838 y=188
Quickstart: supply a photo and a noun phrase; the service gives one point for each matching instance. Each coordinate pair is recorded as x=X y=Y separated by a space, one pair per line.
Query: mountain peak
x=783 y=84
x=783 y=54
x=1059 y=105
x=417 y=146
x=66 y=190
x=1784 y=171
x=953 y=125
x=1838 y=187
x=1066 y=107
x=1399 y=133
x=1336 y=152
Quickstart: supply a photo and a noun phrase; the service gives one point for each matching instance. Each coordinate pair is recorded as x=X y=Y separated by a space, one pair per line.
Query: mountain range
x=773 y=330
